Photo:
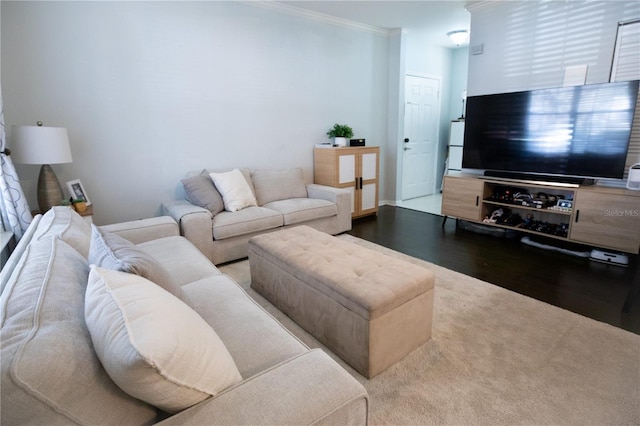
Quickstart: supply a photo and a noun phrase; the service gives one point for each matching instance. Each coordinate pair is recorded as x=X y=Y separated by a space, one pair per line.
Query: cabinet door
x=369 y=198
x=370 y=166
x=462 y=197
x=346 y=169
x=607 y=220
x=368 y=193
x=347 y=174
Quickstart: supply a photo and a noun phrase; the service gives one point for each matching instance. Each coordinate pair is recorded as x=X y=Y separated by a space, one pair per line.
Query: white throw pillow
x=235 y=190
x=152 y=345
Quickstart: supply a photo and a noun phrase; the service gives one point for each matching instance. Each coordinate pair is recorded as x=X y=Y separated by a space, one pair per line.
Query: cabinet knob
x=406 y=140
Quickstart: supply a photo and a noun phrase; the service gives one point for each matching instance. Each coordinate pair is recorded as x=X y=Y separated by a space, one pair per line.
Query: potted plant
x=79 y=204
x=340 y=133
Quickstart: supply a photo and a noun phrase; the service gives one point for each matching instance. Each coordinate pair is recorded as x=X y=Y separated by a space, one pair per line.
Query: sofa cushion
x=274 y=185
x=153 y=345
x=255 y=339
x=299 y=210
x=66 y=224
x=17 y=252
x=50 y=372
x=246 y=221
x=171 y=252
x=141 y=230
x=111 y=251
x=200 y=191
x=235 y=190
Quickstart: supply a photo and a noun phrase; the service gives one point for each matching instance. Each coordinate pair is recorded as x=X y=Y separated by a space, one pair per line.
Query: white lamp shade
x=40 y=145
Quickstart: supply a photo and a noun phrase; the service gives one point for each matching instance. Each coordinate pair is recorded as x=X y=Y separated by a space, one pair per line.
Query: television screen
x=578 y=131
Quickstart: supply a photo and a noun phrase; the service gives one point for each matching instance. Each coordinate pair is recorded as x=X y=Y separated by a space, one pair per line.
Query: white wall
x=151 y=90
x=459 y=75
x=528 y=45
x=449 y=65
x=395 y=131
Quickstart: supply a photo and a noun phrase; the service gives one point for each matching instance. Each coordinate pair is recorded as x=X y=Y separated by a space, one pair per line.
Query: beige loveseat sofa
x=282 y=200
x=79 y=341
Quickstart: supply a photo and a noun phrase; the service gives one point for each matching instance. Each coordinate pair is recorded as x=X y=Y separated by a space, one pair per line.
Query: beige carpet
x=498 y=358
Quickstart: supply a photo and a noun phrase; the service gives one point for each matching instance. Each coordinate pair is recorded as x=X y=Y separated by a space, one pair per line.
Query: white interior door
x=420 y=136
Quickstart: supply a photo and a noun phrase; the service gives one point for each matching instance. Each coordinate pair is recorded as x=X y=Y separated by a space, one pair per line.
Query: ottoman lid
x=365 y=281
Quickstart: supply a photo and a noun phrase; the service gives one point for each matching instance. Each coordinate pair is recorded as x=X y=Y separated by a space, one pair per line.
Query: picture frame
x=76 y=190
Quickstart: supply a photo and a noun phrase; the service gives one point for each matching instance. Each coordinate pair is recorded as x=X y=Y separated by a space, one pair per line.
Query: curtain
x=16 y=215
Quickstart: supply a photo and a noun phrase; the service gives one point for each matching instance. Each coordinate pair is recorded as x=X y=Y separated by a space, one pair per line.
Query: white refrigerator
x=456 y=143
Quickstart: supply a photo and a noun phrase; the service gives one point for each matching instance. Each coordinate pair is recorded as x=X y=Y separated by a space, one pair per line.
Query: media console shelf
x=597 y=216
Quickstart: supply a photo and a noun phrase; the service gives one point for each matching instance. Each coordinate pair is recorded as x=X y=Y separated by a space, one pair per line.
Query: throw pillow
x=276 y=185
x=235 y=190
x=152 y=345
x=66 y=224
x=200 y=191
x=111 y=251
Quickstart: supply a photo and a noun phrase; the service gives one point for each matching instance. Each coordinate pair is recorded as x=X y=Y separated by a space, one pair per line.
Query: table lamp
x=43 y=145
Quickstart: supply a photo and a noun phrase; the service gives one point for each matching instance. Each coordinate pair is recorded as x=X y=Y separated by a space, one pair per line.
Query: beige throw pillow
x=152 y=345
x=276 y=185
x=235 y=190
x=111 y=251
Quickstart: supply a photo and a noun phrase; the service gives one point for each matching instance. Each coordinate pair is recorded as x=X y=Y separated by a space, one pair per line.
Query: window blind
x=543 y=38
x=626 y=58
x=626 y=66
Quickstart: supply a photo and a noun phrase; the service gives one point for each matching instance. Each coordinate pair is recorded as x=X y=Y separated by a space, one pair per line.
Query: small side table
x=87 y=214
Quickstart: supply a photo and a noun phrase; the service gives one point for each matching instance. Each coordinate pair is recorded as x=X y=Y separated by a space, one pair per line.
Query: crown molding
x=319 y=17
x=472 y=5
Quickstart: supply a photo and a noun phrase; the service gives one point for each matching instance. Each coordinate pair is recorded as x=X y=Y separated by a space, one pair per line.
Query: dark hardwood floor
x=606 y=293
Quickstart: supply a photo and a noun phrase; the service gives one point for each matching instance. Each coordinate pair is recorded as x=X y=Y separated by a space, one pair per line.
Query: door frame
x=399 y=142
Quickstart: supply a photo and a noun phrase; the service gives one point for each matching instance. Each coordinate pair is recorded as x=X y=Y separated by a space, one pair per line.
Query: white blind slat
x=626 y=66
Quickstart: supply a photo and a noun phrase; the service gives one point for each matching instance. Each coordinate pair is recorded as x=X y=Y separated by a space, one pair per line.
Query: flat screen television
x=561 y=134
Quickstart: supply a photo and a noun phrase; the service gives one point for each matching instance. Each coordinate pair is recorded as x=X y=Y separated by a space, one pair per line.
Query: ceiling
x=435 y=17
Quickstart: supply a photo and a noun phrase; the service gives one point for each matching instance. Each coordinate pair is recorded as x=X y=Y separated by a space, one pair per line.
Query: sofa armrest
x=308 y=389
x=140 y=231
x=340 y=196
x=196 y=224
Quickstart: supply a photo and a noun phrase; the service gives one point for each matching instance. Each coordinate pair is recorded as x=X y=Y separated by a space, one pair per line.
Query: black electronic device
x=356 y=142
x=579 y=132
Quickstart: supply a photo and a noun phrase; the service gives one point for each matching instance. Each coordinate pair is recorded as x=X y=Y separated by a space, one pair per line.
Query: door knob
x=407 y=149
x=406 y=140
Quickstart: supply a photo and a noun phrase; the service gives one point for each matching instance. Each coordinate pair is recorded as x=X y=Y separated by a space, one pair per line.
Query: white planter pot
x=341 y=141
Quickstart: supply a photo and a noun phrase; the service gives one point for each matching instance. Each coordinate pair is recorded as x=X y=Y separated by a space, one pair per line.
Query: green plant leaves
x=340 y=131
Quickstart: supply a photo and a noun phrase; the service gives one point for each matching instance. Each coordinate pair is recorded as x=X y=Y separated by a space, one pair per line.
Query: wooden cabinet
x=353 y=168
x=607 y=219
x=463 y=198
x=598 y=216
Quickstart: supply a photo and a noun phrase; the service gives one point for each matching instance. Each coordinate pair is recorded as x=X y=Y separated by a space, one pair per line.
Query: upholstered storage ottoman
x=368 y=308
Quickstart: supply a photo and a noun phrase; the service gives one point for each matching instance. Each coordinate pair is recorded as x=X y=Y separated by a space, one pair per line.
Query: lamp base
x=49 y=189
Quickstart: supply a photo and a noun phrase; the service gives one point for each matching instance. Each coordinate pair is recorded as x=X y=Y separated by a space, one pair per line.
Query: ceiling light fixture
x=458 y=36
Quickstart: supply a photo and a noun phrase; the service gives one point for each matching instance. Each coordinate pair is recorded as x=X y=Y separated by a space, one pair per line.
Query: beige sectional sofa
x=281 y=200
x=152 y=332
